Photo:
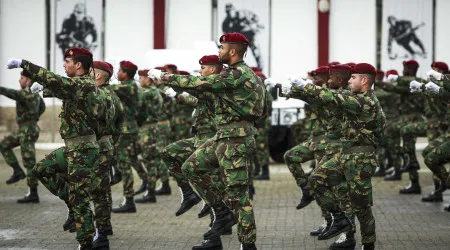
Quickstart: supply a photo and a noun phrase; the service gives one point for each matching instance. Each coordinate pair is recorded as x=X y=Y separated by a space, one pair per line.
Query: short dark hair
x=371 y=78
x=131 y=73
x=219 y=68
x=240 y=48
x=86 y=61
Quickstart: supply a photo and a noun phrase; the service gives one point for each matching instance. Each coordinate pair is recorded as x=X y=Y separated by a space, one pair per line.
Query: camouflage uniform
x=239 y=101
x=82 y=106
x=302 y=127
x=164 y=127
x=181 y=121
x=29 y=107
x=362 y=129
x=262 y=134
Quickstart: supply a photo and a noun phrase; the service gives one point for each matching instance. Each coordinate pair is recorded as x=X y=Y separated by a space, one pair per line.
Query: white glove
x=309 y=81
x=392 y=78
x=170 y=92
x=155 y=74
x=414 y=86
x=185 y=94
x=432 y=87
x=13 y=63
x=299 y=82
x=433 y=73
x=36 y=88
x=286 y=88
x=269 y=82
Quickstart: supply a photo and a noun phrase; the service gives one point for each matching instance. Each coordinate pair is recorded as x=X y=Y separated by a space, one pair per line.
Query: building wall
x=442 y=37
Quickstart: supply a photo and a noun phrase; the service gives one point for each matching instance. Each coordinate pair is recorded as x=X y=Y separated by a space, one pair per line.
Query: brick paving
x=403 y=222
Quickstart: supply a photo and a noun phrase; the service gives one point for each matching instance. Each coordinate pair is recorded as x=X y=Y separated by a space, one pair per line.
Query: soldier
x=81 y=108
x=29 y=107
x=239 y=101
x=362 y=128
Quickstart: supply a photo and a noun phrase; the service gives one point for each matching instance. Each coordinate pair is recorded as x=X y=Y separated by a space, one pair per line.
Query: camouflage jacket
x=261 y=123
x=151 y=103
x=112 y=123
x=82 y=106
x=168 y=103
x=389 y=101
x=363 y=118
x=239 y=97
x=127 y=91
x=29 y=106
x=203 y=115
x=410 y=103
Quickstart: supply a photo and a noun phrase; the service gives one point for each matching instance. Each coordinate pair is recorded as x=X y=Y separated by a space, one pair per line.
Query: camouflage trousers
x=436 y=154
x=101 y=191
x=180 y=127
x=127 y=158
x=262 y=145
x=409 y=134
x=26 y=137
x=301 y=129
x=294 y=158
x=233 y=157
x=161 y=167
x=68 y=174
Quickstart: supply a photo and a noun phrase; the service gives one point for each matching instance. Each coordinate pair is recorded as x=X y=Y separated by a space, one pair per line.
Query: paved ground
x=403 y=222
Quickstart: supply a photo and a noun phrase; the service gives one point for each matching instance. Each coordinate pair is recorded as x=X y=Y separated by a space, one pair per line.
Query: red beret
x=234 y=37
x=339 y=68
x=351 y=64
x=170 y=66
x=209 y=60
x=391 y=72
x=321 y=70
x=182 y=72
x=440 y=65
x=380 y=72
x=333 y=63
x=256 y=69
x=160 y=68
x=77 y=52
x=364 y=68
x=103 y=66
x=413 y=63
x=128 y=65
x=260 y=74
x=143 y=72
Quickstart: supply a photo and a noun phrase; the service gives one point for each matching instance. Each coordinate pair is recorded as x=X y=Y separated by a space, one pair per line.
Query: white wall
x=294 y=38
x=442 y=51
x=23 y=36
x=353 y=31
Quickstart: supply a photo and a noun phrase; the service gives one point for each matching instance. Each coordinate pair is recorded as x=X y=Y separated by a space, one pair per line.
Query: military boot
x=116 y=177
x=223 y=219
x=256 y=169
x=436 y=195
x=127 y=207
x=322 y=228
x=389 y=171
x=165 y=189
x=340 y=224
x=412 y=188
x=70 y=222
x=395 y=176
x=345 y=241
x=17 y=175
x=100 y=241
x=227 y=231
x=380 y=172
x=368 y=246
x=410 y=163
x=265 y=174
x=248 y=246
x=307 y=197
x=31 y=197
x=251 y=191
x=109 y=229
x=149 y=197
x=447 y=208
x=205 y=211
x=188 y=199
x=85 y=247
x=142 y=188
x=209 y=244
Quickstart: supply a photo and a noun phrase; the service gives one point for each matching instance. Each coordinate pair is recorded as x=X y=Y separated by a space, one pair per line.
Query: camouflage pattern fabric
x=181 y=121
x=262 y=134
x=127 y=157
x=294 y=157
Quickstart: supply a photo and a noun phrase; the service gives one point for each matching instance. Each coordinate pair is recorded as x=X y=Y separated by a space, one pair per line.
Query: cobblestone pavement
x=403 y=222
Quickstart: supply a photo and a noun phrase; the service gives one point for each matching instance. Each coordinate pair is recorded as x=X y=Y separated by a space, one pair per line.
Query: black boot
x=256 y=169
x=380 y=172
x=205 y=211
x=248 y=246
x=223 y=219
x=322 y=228
x=31 y=197
x=165 y=189
x=209 y=244
x=70 y=222
x=435 y=196
x=127 y=207
x=447 y=208
x=142 y=188
x=345 y=241
x=265 y=174
x=227 y=231
x=340 y=224
x=84 y=247
x=395 y=176
x=17 y=175
x=411 y=163
x=412 y=188
x=100 y=241
x=116 y=177
x=307 y=198
x=109 y=229
x=368 y=246
x=149 y=197
x=188 y=199
x=389 y=171
x=251 y=191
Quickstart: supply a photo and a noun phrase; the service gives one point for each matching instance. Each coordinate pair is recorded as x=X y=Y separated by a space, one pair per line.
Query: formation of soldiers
x=209 y=133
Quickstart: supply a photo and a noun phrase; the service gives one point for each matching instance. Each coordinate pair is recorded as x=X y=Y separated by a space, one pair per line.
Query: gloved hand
x=170 y=92
x=309 y=81
x=434 y=74
x=14 y=63
x=414 y=86
x=155 y=74
x=185 y=94
x=432 y=87
x=286 y=88
x=392 y=78
x=299 y=82
x=269 y=82
x=36 y=88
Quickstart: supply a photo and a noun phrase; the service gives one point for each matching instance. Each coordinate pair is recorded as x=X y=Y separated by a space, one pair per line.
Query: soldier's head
x=25 y=79
x=163 y=69
x=440 y=67
x=77 y=61
x=210 y=65
x=380 y=76
x=391 y=72
x=392 y=20
x=79 y=11
x=126 y=71
x=410 y=68
x=233 y=47
x=320 y=75
x=362 y=78
x=102 y=72
x=339 y=76
x=144 y=80
x=171 y=68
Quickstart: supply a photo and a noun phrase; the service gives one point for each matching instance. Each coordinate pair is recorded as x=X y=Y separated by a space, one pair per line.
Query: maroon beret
x=209 y=60
x=380 y=72
x=412 y=63
x=260 y=74
x=440 y=65
x=182 y=72
x=143 y=72
x=333 y=63
x=321 y=70
x=128 y=65
x=160 y=68
x=364 y=68
x=103 y=66
x=339 y=68
x=351 y=64
x=170 y=66
x=77 y=52
x=391 y=72
x=256 y=69
x=234 y=37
